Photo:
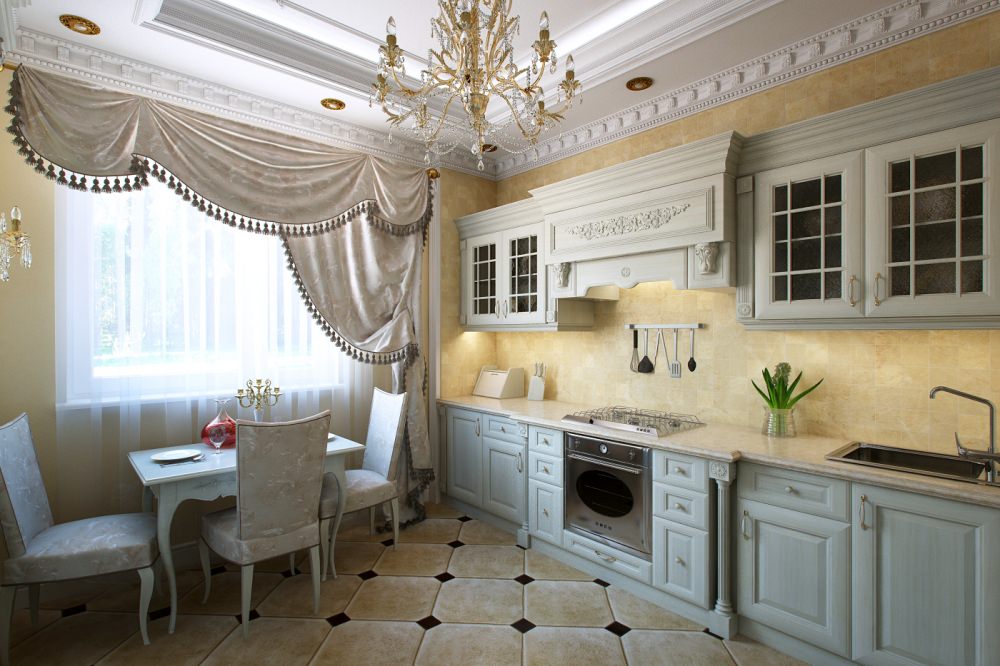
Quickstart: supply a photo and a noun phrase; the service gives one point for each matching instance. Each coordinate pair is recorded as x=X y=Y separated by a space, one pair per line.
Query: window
x=157 y=300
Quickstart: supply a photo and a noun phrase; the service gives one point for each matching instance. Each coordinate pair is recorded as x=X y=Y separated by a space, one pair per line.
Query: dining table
x=210 y=477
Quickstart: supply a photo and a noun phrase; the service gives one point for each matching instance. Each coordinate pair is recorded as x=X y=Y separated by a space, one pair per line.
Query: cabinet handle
x=862 y=513
x=678 y=506
x=743 y=525
x=545 y=512
x=503 y=429
x=789 y=490
x=850 y=290
x=520 y=467
x=545 y=440
x=546 y=469
x=878 y=301
x=606 y=558
x=679 y=470
x=506 y=309
x=477 y=427
x=678 y=560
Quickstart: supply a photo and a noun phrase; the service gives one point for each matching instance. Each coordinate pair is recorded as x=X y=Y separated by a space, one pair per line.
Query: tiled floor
x=455 y=591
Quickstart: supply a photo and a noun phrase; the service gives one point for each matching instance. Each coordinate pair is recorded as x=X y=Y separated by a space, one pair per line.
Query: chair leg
x=33 y=591
x=314 y=567
x=206 y=568
x=394 y=504
x=146 y=581
x=333 y=543
x=7 y=594
x=324 y=546
x=246 y=588
x=291 y=563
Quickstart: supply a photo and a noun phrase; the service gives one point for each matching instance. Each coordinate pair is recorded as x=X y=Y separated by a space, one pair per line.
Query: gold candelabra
x=258 y=394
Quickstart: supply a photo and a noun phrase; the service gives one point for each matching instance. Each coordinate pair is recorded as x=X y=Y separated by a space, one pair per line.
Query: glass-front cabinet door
x=808 y=239
x=523 y=302
x=482 y=274
x=930 y=249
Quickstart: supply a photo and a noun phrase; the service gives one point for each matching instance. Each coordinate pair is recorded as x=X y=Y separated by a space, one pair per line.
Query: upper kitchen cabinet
x=879 y=216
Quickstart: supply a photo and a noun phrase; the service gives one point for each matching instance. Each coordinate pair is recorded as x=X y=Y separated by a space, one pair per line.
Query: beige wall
x=876 y=382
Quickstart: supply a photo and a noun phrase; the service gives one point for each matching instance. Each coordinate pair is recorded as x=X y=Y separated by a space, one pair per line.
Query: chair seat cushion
x=364 y=489
x=221 y=531
x=88 y=547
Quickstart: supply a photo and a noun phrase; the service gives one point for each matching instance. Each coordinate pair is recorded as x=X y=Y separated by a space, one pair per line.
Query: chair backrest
x=24 y=506
x=279 y=472
x=385 y=433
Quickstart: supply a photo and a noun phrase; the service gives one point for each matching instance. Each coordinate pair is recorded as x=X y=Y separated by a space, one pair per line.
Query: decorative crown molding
x=898 y=23
x=624 y=225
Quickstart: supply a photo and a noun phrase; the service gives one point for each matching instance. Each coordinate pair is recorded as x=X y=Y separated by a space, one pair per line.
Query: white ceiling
x=275 y=59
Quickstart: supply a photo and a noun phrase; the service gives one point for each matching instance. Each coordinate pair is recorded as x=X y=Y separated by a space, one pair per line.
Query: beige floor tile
x=566 y=604
x=394 y=598
x=480 y=601
x=370 y=643
x=354 y=557
x=638 y=613
x=21 y=627
x=78 y=639
x=469 y=644
x=124 y=596
x=293 y=597
x=749 y=652
x=487 y=562
x=272 y=640
x=224 y=598
x=572 y=645
x=674 y=647
x=543 y=567
x=195 y=637
x=442 y=511
x=432 y=530
x=478 y=532
x=414 y=559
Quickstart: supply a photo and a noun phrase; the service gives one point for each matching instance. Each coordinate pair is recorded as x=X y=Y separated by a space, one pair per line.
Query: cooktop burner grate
x=644 y=421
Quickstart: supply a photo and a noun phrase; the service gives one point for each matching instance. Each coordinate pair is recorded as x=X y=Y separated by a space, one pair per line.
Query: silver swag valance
x=352 y=224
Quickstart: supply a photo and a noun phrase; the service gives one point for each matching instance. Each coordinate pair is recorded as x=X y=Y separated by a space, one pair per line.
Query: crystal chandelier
x=13 y=241
x=473 y=66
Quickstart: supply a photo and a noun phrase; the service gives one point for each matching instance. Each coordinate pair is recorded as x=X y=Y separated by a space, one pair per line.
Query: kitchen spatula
x=645 y=365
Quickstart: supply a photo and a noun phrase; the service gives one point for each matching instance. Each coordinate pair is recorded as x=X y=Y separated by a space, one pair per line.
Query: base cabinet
x=925 y=579
x=503 y=479
x=545 y=511
x=681 y=561
x=794 y=574
x=465 y=456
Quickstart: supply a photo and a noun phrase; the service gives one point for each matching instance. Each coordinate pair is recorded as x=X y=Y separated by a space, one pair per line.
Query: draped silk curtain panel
x=352 y=224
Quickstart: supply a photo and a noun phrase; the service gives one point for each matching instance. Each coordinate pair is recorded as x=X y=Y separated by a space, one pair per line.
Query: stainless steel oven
x=608 y=492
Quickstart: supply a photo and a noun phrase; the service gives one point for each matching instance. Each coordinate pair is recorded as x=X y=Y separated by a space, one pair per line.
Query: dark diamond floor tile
x=366 y=575
x=456 y=544
x=157 y=614
x=602 y=583
x=429 y=622
x=523 y=625
x=444 y=577
x=253 y=616
x=464 y=519
x=338 y=619
x=215 y=571
x=74 y=610
x=524 y=579
x=711 y=634
x=387 y=543
x=618 y=629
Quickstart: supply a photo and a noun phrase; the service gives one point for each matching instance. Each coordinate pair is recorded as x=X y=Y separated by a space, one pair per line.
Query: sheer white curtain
x=159 y=311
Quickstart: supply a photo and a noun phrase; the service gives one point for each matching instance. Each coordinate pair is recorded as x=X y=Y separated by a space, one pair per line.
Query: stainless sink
x=908 y=460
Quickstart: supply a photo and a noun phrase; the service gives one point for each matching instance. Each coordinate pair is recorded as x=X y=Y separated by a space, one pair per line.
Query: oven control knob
x=604 y=448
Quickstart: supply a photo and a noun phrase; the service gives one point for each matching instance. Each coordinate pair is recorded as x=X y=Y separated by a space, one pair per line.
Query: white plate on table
x=175 y=456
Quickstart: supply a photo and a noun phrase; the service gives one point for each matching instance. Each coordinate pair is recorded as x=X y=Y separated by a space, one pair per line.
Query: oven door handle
x=605 y=463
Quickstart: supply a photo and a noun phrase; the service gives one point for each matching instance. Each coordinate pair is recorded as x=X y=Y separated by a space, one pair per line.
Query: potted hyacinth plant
x=780 y=399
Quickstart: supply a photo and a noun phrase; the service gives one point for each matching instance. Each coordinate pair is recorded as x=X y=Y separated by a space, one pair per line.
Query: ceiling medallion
x=333 y=104
x=80 y=25
x=639 y=83
x=473 y=66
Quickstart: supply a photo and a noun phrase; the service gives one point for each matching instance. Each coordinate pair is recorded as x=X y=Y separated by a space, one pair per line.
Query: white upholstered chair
x=279 y=474
x=375 y=483
x=41 y=552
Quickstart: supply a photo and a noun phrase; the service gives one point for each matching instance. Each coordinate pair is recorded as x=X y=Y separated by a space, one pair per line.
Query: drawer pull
x=743 y=525
x=477 y=427
x=678 y=560
x=545 y=512
x=502 y=429
x=679 y=507
x=606 y=558
x=678 y=470
x=546 y=469
x=545 y=440
x=790 y=490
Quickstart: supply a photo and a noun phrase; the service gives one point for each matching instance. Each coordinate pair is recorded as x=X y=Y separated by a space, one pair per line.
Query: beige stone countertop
x=730 y=443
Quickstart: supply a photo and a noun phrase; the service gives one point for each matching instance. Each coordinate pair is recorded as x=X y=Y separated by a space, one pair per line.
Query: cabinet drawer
x=682 y=506
x=679 y=470
x=546 y=441
x=681 y=565
x=817 y=495
x=545 y=512
x=545 y=468
x=499 y=427
x=606 y=556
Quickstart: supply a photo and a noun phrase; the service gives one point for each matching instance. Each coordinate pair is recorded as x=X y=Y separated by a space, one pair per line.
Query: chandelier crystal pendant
x=473 y=66
x=13 y=242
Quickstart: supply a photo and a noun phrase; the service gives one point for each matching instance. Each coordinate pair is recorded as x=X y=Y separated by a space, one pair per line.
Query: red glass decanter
x=223 y=419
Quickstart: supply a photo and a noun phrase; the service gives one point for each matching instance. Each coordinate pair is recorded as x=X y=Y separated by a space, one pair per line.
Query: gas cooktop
x=642 y=421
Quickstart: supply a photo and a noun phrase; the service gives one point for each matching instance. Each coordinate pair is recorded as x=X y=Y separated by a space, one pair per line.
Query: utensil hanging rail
x=662 y=326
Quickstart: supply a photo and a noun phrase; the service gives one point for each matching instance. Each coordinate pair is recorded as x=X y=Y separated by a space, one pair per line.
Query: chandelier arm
x=530 y=135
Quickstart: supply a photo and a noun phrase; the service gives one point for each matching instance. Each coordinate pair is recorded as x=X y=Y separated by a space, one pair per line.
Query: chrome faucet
x=987 y=457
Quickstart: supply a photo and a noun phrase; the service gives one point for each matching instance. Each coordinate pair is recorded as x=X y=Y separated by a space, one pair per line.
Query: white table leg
x=164 y=515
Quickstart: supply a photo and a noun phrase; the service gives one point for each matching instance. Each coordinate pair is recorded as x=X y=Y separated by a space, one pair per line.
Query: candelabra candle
x=258 y=394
